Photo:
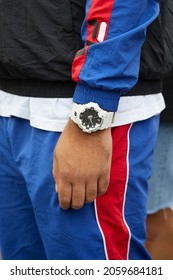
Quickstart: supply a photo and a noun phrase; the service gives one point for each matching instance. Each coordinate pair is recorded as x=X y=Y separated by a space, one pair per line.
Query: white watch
x=90 y=117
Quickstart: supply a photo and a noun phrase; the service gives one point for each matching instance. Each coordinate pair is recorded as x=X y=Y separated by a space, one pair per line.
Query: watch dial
x=90 y=118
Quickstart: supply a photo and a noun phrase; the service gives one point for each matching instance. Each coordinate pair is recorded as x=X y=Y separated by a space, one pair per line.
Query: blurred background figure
x=160 y=197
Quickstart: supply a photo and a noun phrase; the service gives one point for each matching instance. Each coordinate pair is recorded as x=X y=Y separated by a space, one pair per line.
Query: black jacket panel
x=167 y=114
x=169 y=40
x=42 y=43
x=153 y=51
x=157 y=52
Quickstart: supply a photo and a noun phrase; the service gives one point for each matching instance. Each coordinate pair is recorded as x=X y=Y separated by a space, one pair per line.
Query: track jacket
x=39 y=39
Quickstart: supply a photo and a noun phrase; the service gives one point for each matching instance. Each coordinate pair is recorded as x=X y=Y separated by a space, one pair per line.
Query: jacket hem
x=145 y=87
x=38 y=88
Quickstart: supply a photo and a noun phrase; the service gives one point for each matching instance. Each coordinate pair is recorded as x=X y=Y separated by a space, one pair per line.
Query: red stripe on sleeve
x=100 y=11
x=78 y=64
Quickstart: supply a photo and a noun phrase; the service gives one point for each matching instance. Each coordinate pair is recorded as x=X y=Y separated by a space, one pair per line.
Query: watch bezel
x=95 y=125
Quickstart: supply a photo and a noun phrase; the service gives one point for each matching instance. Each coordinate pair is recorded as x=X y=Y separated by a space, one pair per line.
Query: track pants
x=33 y=226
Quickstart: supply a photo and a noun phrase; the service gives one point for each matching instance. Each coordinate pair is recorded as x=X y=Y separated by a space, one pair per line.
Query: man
x=38 y=42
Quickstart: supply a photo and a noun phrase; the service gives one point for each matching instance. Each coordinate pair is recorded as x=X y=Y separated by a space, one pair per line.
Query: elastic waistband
x=38 y=88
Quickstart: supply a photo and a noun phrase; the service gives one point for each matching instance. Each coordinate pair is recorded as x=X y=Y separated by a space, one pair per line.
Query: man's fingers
x=55 y=173
x=103 y=184
x=91 y=191
x=64 y=194
x=57 y=187
x=78 y=195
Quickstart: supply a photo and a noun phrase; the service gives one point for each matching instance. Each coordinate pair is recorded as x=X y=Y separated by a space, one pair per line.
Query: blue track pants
x=33 y=226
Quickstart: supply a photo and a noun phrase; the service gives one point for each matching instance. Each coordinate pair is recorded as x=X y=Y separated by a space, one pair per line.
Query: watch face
x=90 y=119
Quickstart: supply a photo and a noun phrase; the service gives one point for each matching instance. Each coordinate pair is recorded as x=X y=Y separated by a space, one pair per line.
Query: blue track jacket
x=113 y=33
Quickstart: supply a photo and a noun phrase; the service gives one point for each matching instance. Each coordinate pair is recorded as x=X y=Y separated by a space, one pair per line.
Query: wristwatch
x=90 y=117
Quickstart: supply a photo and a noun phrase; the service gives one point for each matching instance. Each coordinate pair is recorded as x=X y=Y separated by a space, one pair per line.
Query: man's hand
x=81 y=165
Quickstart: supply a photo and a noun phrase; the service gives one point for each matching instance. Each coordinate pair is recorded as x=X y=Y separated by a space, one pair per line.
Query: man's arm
x=108 y=66
x=113 y=33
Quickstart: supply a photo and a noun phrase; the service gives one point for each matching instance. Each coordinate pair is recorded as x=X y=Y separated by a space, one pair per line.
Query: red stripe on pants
x=110 y=207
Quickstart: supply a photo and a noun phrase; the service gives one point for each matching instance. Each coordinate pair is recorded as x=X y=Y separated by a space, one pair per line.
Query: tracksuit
x=91 y=51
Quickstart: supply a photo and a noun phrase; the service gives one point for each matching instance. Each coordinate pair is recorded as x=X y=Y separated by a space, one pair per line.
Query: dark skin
x=81 y=166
